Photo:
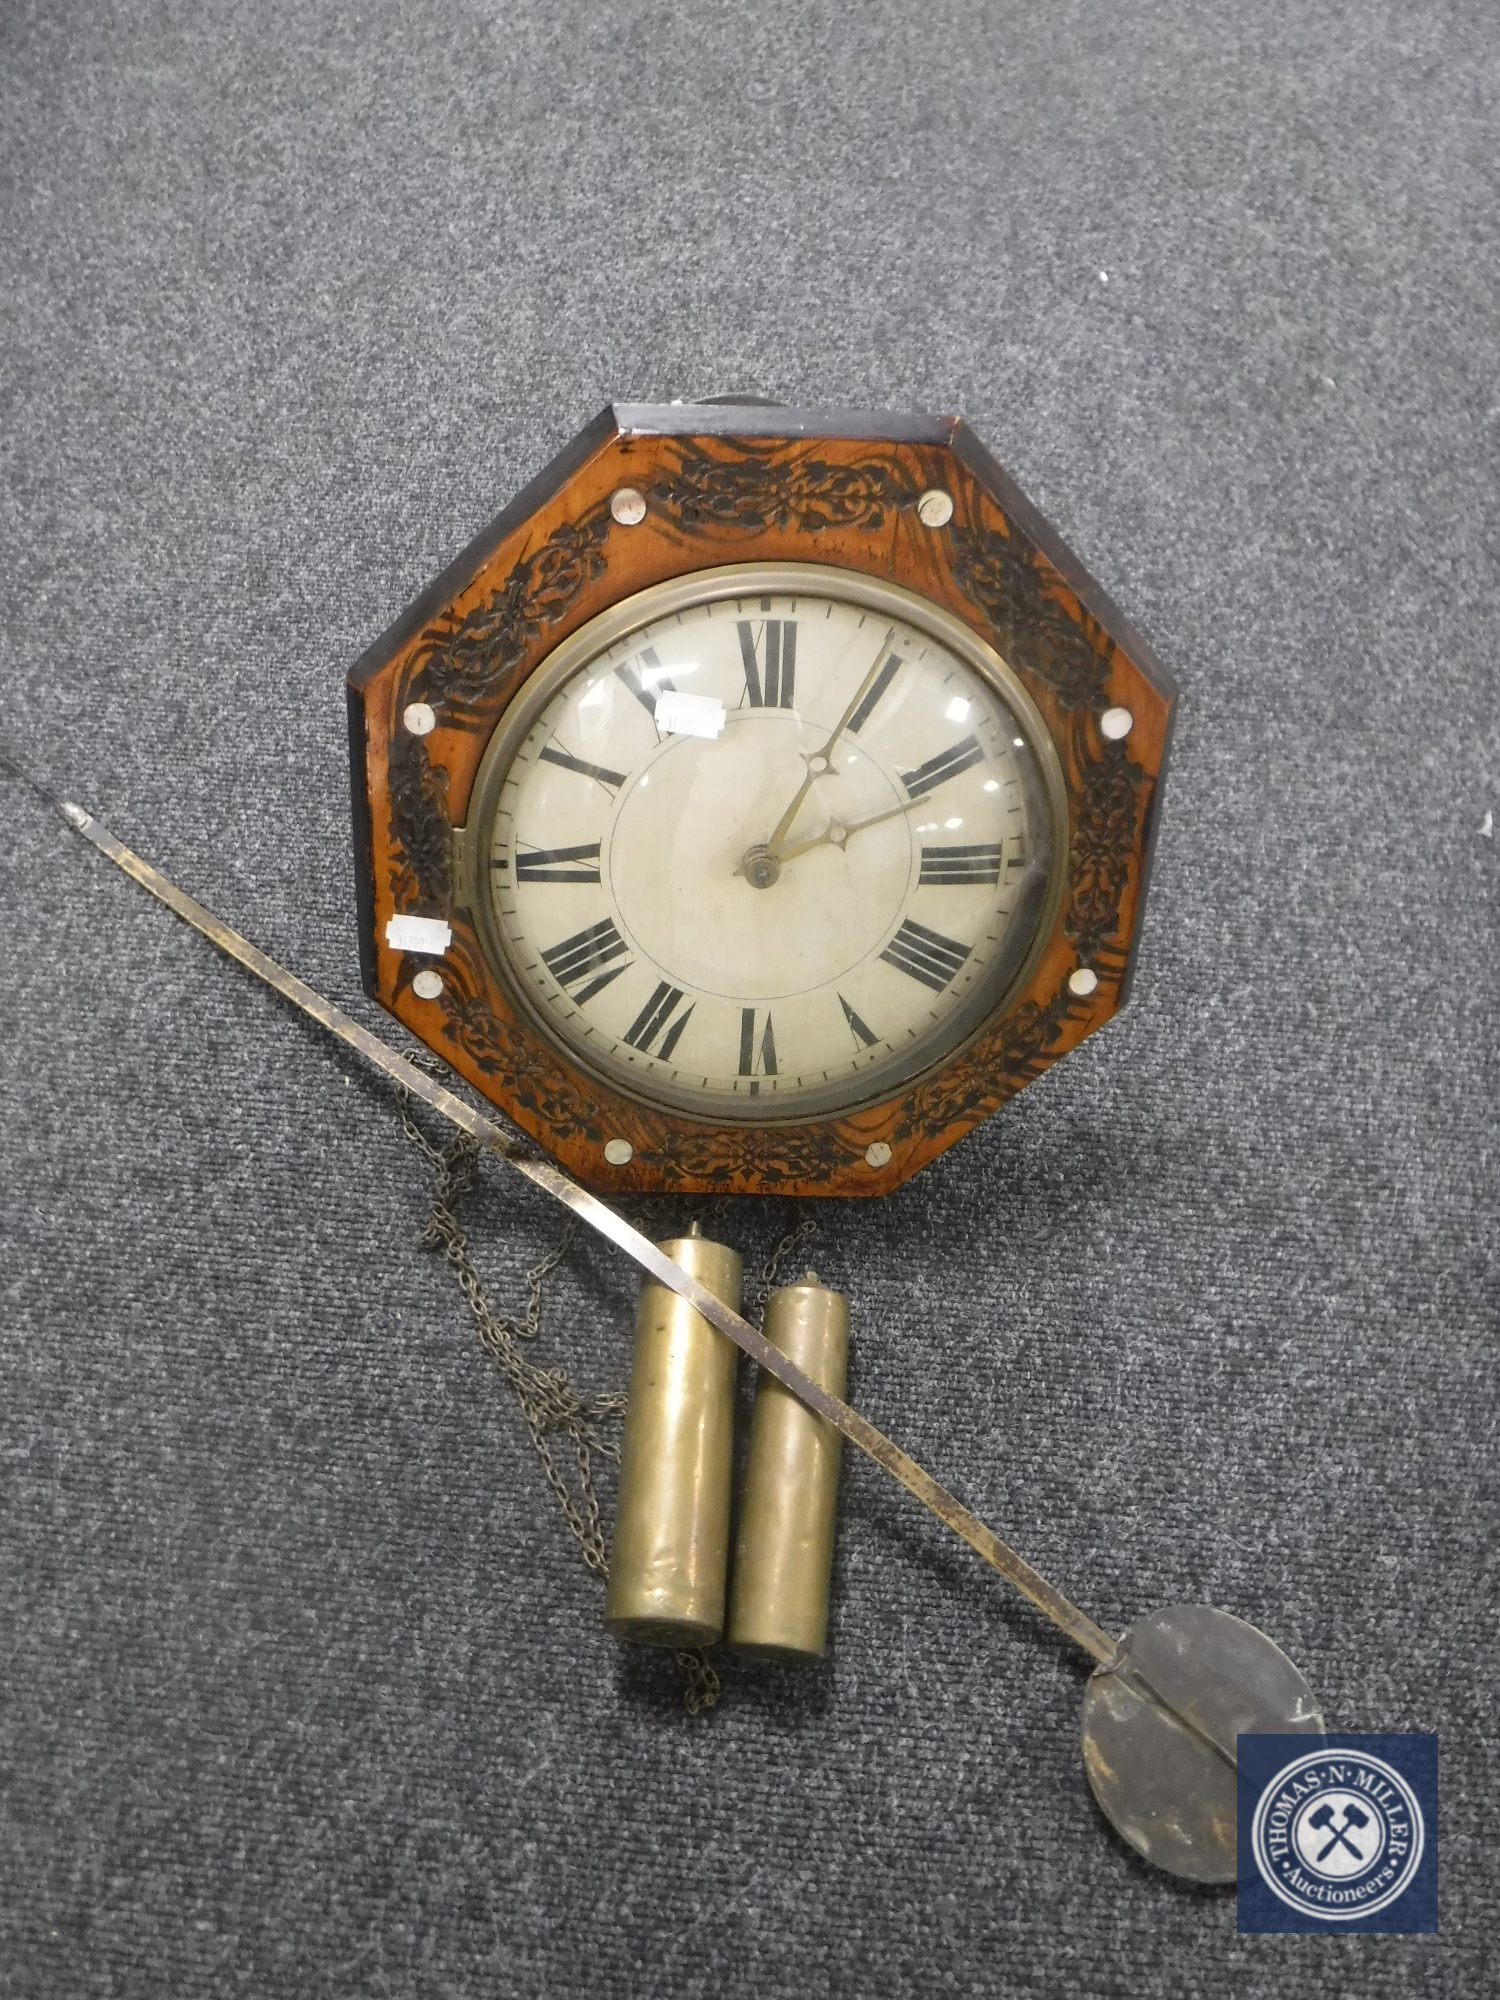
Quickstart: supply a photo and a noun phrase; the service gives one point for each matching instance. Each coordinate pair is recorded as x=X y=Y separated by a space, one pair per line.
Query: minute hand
x=783 y=825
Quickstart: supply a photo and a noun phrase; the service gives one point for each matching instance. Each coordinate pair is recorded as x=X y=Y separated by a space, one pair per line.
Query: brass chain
x=701 y=1683
x=549 y=1403
x=756 y=1305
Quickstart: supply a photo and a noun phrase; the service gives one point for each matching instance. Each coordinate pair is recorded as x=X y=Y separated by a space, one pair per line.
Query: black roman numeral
x=559 y=864
x=926 y=955
x=552 y=755
x=655 y=1016
x=770 y=665
x=877 y=688
x=857 y=1028
x=942 y=866
x=645 y=691
x=752 y=1057
x=938 y=770
x=585 y=960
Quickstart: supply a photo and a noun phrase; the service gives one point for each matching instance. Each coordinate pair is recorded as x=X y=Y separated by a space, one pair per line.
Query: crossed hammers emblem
x=1322 y=1818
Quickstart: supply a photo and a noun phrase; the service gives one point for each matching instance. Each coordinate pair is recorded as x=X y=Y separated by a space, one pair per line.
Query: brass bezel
x=991 y=996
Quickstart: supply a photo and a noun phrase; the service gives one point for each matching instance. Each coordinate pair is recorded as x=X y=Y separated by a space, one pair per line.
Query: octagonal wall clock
x=759 y=802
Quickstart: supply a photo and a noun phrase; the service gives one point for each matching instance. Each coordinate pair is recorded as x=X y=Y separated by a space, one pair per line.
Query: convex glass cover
x=766 y=841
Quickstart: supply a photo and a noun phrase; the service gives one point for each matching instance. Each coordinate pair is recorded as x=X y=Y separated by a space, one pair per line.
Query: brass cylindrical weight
x=671 y=1553
x=784 y=1555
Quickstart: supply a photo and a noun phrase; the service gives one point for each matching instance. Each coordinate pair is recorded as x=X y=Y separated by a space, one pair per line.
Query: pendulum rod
x=600 y=1217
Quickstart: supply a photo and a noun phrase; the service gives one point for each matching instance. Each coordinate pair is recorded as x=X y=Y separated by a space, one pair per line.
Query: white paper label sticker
x=689 y=714
x=425 y=934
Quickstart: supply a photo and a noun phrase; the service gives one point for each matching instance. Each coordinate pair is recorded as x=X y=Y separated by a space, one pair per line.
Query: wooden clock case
x=729 y=483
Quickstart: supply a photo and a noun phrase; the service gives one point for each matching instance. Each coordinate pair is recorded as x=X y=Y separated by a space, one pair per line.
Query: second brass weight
x=669 y=1578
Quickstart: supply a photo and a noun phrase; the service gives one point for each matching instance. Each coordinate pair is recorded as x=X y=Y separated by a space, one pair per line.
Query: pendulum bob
x=671 y=1550
x=784 y=1552
x=1162 y=1719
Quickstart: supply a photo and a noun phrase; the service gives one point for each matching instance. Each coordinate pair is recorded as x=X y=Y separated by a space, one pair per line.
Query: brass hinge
x=463 y=869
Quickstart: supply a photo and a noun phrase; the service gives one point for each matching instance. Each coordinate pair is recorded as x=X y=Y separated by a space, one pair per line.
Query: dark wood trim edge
x=1149 y=833
x=364 y=839
x=424 y=608
x=1041 y=533
x=773 y=420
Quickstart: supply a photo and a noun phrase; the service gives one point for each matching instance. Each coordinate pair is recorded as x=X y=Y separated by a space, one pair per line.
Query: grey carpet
x=305 y=1691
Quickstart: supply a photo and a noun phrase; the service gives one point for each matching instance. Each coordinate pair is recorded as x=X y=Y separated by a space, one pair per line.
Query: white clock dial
x=762 y=853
